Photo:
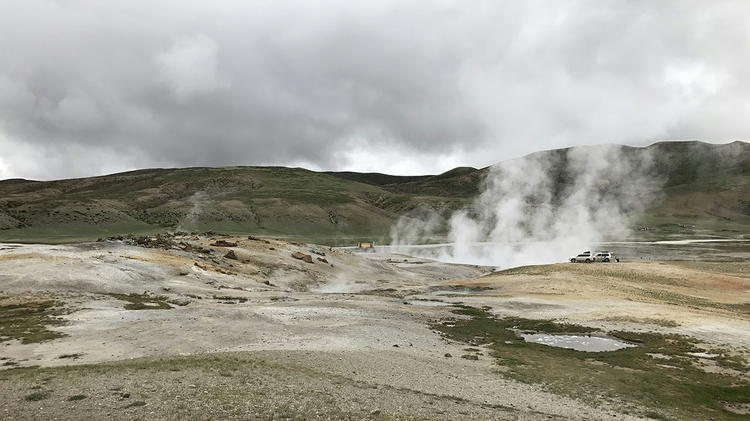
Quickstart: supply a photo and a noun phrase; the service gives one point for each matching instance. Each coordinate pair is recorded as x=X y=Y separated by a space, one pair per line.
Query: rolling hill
x=702 y=185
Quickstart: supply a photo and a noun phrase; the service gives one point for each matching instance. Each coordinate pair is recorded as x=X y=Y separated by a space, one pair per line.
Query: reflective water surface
x=577 y=342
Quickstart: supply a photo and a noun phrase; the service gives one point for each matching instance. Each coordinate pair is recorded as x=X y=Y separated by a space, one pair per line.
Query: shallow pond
x=577 y=342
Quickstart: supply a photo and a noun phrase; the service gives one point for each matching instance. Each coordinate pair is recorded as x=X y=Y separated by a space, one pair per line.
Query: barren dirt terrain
x=187 y=326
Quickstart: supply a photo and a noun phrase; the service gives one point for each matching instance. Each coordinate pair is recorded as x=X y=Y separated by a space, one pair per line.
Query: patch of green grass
x=643 y=320
x=37 y=396
x=230 y=298
x=29 y=321
x=675 y=226
x=143 y=301
x=676 y=385
x=389 y=292
x=73 y=232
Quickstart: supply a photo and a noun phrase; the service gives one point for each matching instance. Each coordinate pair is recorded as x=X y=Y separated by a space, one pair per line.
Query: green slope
x=704 y=185
x=253 y=200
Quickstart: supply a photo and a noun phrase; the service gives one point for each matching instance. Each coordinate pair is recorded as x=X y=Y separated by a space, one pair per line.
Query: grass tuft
x=37 y=396
x=143 y=301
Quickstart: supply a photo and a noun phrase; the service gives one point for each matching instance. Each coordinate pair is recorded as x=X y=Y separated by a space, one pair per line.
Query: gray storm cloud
x=190 y=67
x=408 y=86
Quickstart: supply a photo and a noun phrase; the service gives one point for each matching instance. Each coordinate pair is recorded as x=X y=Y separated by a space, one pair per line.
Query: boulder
x=302 y=256
x=230 y=255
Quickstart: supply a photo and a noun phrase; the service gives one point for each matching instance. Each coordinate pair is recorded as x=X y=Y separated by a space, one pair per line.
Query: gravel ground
x=391 y=385
x=269 y=337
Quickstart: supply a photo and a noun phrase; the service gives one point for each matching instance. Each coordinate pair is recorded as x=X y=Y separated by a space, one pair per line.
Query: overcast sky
x=402 y=86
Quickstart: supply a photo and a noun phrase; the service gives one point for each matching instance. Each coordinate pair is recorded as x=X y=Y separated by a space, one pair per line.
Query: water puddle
x=703 y=355
x=427 y=303
x=577 y=342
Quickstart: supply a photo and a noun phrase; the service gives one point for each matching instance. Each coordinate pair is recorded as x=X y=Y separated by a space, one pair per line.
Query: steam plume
x=542 y=208
x=199 y=200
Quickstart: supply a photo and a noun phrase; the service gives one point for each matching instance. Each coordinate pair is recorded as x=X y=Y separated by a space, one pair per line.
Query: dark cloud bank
x=395 y=86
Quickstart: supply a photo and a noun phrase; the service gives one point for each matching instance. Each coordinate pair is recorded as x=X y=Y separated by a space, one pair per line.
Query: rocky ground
x=203 y=326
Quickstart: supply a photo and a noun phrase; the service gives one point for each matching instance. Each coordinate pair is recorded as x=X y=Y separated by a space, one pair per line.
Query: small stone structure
x=367 y=245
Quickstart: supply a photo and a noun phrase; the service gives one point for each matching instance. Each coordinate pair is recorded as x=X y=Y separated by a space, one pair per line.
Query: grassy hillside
x=704 y=186
x=261 y=200
x=699 y=187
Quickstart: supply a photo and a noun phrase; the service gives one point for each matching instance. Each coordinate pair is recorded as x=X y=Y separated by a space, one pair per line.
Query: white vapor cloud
x=198 y=200
x=542 y=208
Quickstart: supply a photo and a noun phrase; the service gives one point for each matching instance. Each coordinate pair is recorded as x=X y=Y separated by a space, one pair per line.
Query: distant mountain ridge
x=702 y=183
